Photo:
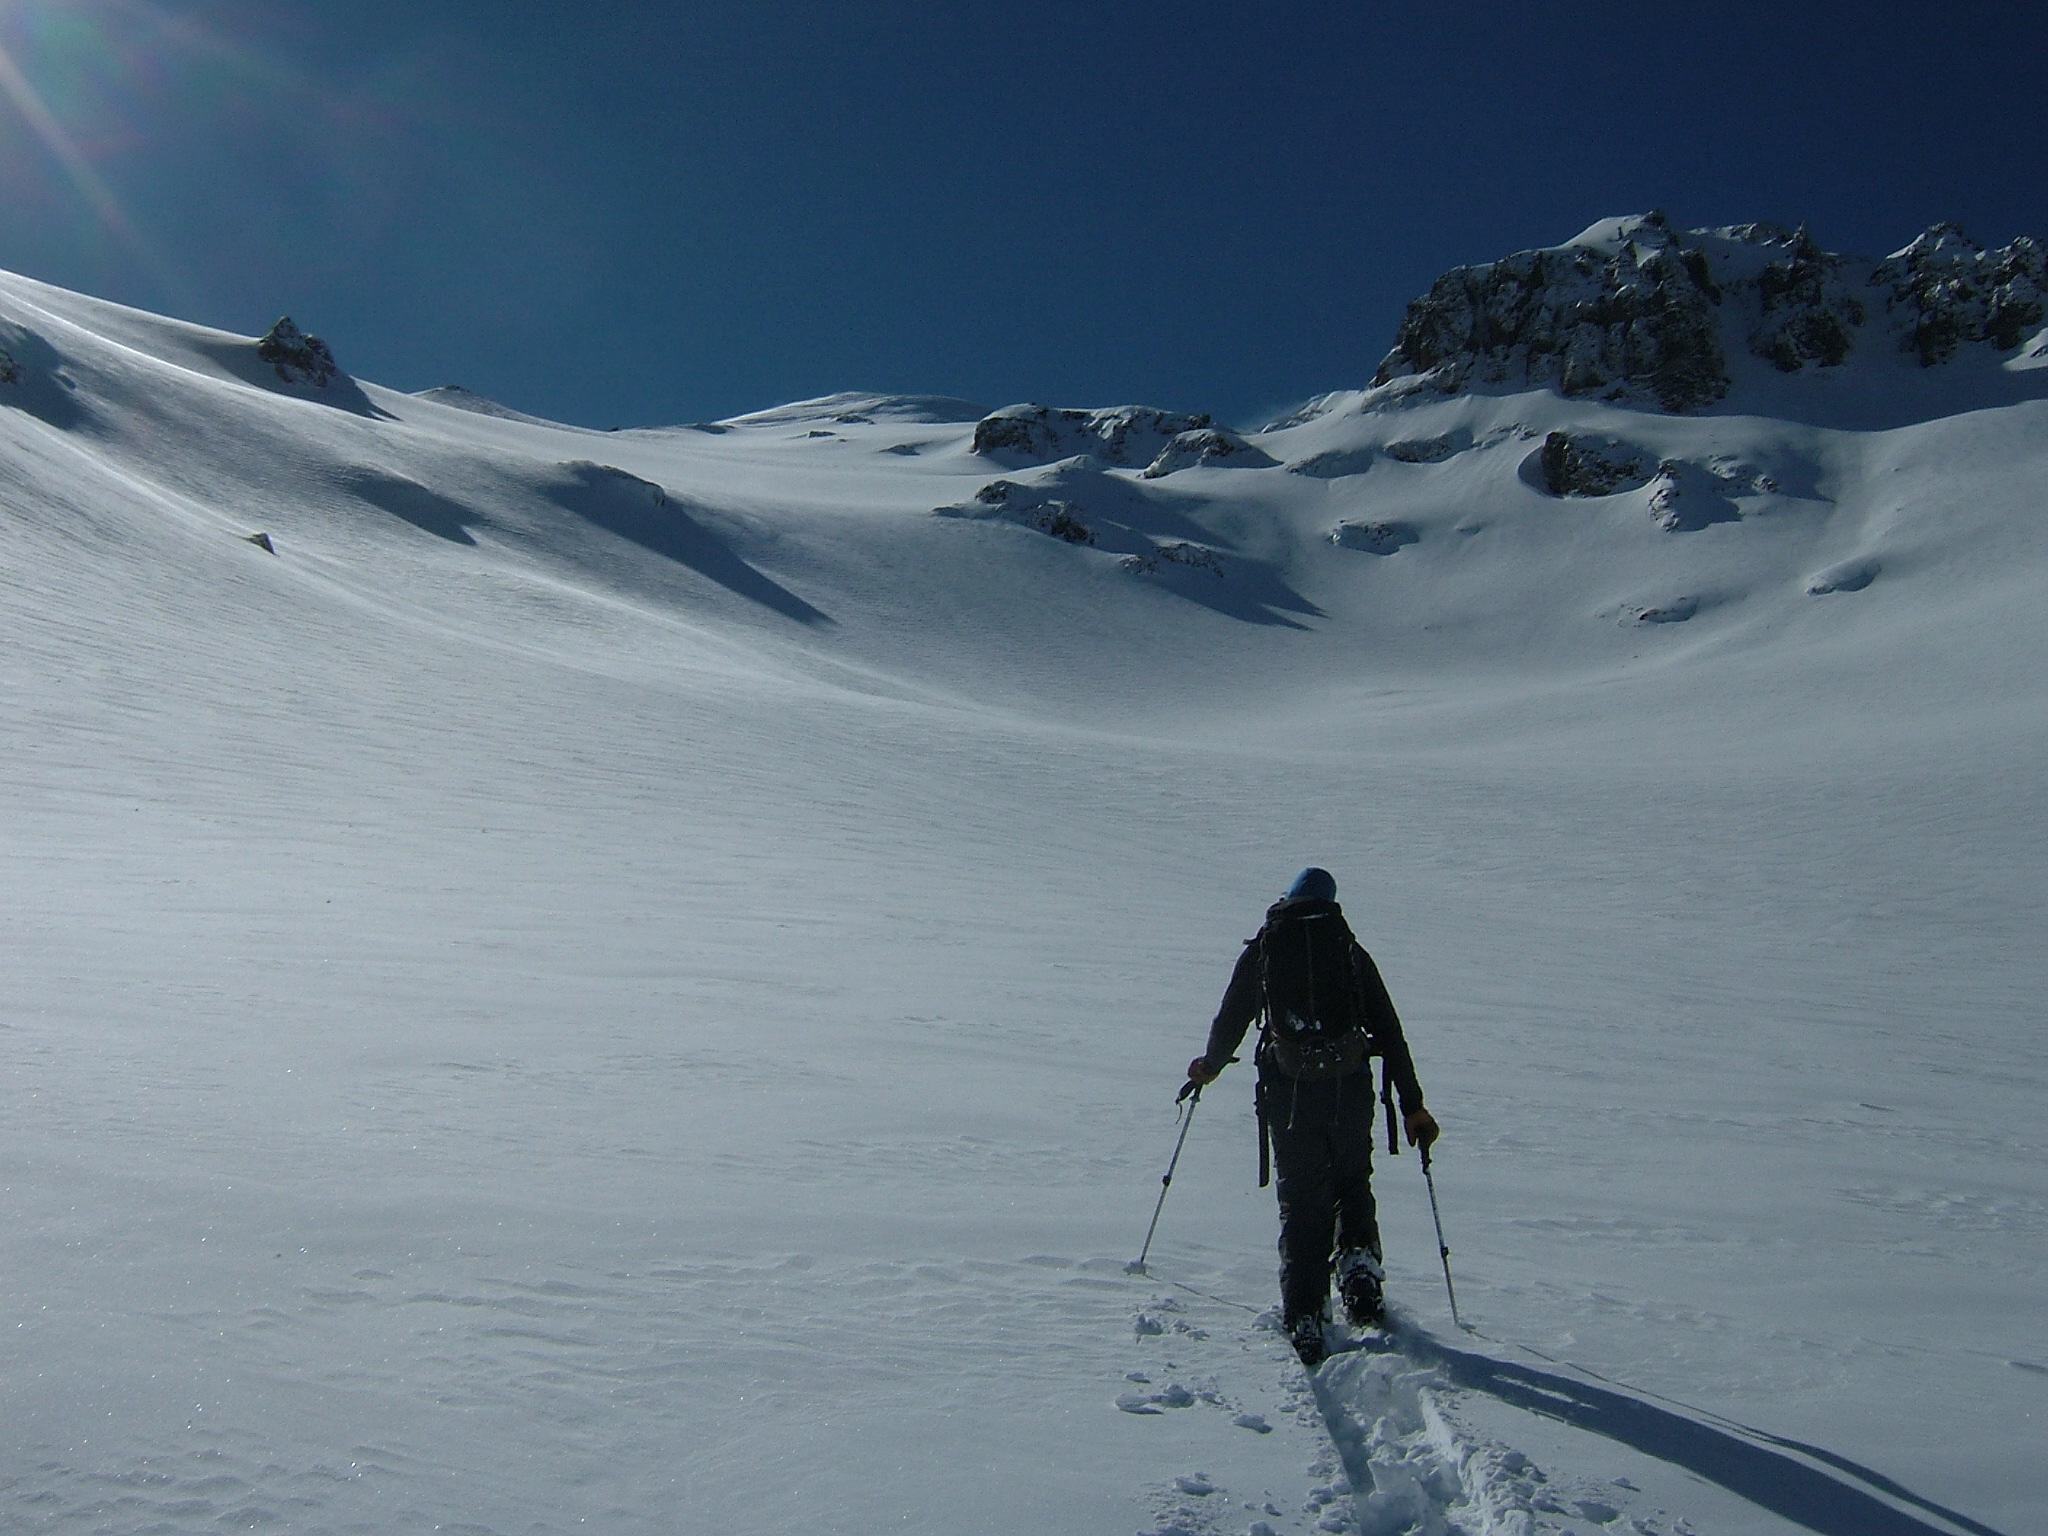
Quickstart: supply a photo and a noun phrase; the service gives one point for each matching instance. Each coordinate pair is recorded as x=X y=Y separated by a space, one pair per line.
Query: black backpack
x=1315 y=1023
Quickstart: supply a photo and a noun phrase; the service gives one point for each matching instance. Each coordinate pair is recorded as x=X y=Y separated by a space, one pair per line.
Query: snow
x=636 y=980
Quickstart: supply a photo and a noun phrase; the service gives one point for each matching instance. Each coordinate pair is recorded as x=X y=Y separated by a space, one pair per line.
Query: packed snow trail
x=1409 y=1396
x=1403 y=1456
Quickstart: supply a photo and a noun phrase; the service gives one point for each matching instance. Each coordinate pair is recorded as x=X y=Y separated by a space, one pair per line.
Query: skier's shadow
x=1768 y=1470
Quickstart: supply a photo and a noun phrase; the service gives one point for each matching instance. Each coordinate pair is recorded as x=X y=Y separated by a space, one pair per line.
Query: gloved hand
x=1201 y=1074
x=1422 y=1128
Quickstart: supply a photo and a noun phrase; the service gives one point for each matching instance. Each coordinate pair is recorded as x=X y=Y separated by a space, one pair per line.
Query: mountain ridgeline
x=1634 y=310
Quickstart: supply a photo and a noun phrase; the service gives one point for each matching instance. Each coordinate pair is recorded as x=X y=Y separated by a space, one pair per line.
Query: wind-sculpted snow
x=1207 y=445
x=1142 y=532
x=33 y=378
x=469 y=400
x=854 y=408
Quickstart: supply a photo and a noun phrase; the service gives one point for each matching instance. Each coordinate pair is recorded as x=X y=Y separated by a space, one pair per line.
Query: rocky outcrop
x=1427 y=450
x=1038 y=434
x=1634 y=310
x=1028 y=507
x=1683 y=496
x=1589 y=466
x=1079 y=501
x=1686 y=497
x=1374 y=538
x=1334 y=463
x=1809 y=310
x=297 y=357
x=1675 y=610
x=1206 y=445
x=1948 y=291
x=10 y=370
x=1639 y=318
x=1179 y=552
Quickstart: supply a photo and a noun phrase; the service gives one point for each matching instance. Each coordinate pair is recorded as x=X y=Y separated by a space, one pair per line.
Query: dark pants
x=1322 y=1162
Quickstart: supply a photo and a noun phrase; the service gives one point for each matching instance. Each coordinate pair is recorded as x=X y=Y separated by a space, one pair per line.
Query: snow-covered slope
x=635 y=980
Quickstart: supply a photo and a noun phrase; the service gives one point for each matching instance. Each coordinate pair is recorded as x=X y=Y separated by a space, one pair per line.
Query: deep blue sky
x=643 y=213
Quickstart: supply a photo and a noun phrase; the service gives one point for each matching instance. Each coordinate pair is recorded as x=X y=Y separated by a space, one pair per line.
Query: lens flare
x=35 y=111
x=78 y=54
x=101 y=95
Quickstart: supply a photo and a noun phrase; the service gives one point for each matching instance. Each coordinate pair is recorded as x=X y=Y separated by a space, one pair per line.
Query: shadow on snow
x=635 y=509
x=1836 y=1497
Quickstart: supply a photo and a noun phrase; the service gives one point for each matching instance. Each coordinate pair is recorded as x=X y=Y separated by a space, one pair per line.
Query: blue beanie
x=1316 y=884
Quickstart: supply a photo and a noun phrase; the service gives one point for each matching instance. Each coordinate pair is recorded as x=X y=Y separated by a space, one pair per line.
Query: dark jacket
x=1242 y=1002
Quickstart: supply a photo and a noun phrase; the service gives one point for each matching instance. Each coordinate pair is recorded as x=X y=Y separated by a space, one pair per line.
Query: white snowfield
x=634 y=982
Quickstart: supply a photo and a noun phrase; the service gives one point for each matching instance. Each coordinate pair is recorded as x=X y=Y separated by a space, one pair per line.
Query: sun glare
x=86 y=79
x=19 y=17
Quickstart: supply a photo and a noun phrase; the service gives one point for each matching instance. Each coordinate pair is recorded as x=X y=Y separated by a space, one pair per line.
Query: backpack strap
x=1387 y=1099
x=1259 y=1056
x=1265 y=1136
x=1265 y=1015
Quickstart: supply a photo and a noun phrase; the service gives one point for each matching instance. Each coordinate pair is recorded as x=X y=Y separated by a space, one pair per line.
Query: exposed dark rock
x=1057 y=519
x=1206 y=445
x=1426 y=450
x=1176 y=552
x=1808 y=308
x=10 y=370
x=1586 y=322
x=1027 y=507
x=261 y=541
x=1334 y=463
x=1374 y=538
x=1037 y=434
x=1587 y=466
x=1949 y=290
x=1676 y=611
x=1635 y=310
x=297 y=357
x=1026 y=431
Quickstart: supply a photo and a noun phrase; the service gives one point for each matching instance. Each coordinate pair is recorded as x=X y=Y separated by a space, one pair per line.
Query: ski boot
x=1305 y=1333
x=1360 y=1281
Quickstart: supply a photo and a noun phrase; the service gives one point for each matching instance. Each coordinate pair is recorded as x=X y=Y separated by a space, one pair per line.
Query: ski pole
x=1442 y=1248
x=1137 y=1265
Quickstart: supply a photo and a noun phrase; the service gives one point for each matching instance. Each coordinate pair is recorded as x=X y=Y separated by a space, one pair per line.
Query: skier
x=1325 y=1012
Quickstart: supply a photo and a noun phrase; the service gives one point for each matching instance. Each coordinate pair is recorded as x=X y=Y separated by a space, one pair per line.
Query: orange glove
x=1422 y=1128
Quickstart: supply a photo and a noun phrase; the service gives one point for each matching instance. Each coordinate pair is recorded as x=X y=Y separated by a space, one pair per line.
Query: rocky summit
x=297 y=357
x=1634 y=310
